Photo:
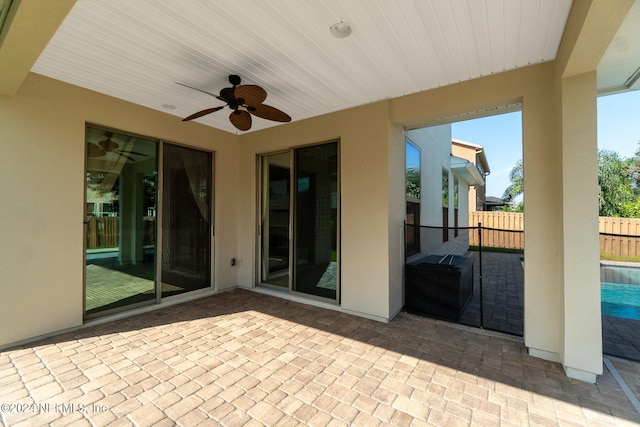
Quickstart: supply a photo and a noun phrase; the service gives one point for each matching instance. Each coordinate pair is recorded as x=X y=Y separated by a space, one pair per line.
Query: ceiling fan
x=107 y=146
x=244 y=100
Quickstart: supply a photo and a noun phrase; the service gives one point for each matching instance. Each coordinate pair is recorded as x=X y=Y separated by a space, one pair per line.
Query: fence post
x=480 y=276
x=404 y=239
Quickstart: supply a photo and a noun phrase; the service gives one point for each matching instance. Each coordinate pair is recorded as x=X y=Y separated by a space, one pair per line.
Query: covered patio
x=46 y=119
x=245 y=358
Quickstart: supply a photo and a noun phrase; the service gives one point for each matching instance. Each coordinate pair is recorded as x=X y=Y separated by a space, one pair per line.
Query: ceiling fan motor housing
x=228 y=95
x=234 y=79
x=249 y=100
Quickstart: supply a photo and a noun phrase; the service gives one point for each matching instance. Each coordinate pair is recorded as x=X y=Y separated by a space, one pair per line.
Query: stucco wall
x=435 y=149
x=435 y=154
x=370 y=215
x=48 y=171
x=469 y=152
x=42 y=132
x=44 y=275
x=534 y=88
x=370 y=253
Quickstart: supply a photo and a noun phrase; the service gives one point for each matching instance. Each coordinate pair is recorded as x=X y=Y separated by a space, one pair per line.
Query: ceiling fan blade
x=270 y=113
x=240 y=119
x=203 y=91
x=94 y=151
x=108 y=145
x=131 y=152
x=128 y=158
x=252 y=94
x=202 y=113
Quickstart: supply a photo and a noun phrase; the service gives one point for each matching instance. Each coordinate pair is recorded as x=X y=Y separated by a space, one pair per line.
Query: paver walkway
x=503 y=305
x=244 y=358
x=502 y=293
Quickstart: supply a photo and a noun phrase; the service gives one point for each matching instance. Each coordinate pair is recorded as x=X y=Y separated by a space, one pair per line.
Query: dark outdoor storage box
x=439 y=286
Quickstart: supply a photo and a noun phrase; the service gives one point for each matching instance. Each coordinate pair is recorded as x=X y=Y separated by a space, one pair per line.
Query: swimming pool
x=620 y=291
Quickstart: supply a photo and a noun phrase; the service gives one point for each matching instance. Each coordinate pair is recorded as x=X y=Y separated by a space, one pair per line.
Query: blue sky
x=501 y=135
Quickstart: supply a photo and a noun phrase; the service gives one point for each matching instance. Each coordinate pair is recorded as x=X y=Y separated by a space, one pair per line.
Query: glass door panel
x=274 y=221
x=186 y=219
x=316 y=220
x=120 y=226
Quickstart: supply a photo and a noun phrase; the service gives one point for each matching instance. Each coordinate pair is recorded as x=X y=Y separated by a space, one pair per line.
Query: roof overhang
x=467 y=171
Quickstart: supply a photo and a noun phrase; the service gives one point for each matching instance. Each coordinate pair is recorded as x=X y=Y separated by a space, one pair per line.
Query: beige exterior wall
x=371 y=205
x=468 y=152
x=42 y=133
x=42 y=147
x=545 y=277
x=535 y=87
x=580 y=213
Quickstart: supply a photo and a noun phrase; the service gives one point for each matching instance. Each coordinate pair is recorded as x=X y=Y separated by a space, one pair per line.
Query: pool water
x=620 y=300
x=620 y=291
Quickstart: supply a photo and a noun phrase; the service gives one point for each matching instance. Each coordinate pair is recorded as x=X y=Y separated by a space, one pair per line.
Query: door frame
x=291 y=235
x=213 y=286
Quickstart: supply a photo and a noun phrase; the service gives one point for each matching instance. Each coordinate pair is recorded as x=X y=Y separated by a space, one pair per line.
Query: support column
x=581 y=348
x=131 y=234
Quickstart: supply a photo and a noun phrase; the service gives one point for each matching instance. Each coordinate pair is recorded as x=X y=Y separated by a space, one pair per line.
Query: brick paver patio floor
x=244 y=358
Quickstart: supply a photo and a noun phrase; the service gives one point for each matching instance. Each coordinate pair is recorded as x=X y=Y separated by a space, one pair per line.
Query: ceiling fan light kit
x=244 y=100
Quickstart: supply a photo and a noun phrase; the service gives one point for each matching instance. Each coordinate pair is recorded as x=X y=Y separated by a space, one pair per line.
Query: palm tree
x=516 y=187
x=614 y=182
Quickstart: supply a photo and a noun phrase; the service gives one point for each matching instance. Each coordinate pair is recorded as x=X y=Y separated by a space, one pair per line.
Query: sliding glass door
x=316 y=220
x=275 y=212
x=304 y=193
x=120 y=230
x=186 y=219
x=123 y=269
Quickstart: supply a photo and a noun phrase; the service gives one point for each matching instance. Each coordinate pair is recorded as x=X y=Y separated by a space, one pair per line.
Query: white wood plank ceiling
x=619 y=68
x=137 y=50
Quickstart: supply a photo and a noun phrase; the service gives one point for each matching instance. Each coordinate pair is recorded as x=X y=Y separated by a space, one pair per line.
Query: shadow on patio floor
x=242 y=355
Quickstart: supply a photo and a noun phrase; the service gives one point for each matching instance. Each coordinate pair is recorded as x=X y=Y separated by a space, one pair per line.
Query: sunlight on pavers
x=242 y=357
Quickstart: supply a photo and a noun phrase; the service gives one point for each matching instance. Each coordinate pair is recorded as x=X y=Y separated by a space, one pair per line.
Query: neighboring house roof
x=495 y=201
x=467 y=171
x=479 y=151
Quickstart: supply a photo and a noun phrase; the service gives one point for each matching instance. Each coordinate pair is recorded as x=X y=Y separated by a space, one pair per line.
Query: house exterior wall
x=477 y=195
x=535 y=88
x=371 y=212
x=581 y=277
x=588 y=33
x=435 y=154
x=462 y=241
x=42 y=134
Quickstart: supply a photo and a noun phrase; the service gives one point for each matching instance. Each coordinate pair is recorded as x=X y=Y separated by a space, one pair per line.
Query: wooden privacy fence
x=102 y=231
x=499 y=229
x=618 y=236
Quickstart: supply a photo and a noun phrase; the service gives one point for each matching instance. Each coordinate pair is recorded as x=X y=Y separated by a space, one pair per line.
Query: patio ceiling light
x=340 y=30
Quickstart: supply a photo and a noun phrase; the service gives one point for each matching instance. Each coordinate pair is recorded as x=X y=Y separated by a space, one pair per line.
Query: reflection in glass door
x=186 y=219
x=274 y=222
x=307 y=197
x=120 y=226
